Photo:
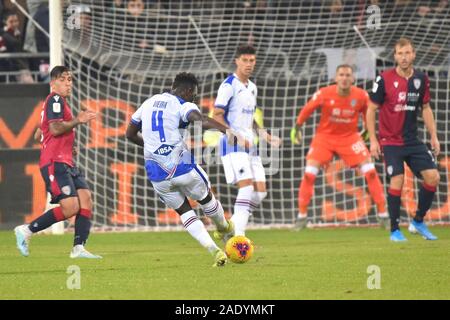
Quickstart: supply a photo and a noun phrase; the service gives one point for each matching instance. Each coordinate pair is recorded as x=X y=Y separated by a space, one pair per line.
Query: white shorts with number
x=194 y=184
x=240 y=166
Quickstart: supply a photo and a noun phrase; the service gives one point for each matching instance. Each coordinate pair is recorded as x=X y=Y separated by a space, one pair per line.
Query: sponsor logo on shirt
x=404 y=107
x=164 y=150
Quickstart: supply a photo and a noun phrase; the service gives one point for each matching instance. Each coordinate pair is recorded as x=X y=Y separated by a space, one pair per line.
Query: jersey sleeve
x=426 y=94
x=186 y=109
x=314 y=103
x=378 y=91
x=136 y=118
x=55 y=108
x=224 y=96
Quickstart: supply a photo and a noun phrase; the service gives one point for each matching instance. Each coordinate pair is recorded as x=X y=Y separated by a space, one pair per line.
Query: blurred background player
x=400 y=93
x=341 y=105
x=63 y=180
x=171 y=167
x=235 y=105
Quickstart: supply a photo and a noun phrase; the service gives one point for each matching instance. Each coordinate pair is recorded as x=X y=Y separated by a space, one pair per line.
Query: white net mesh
x=122 y=55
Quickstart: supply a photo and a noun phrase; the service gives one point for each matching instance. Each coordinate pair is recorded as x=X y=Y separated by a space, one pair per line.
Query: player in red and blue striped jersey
x=63 y=180
x=401 y=94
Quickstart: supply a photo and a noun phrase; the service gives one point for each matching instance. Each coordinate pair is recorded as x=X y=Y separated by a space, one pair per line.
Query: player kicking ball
x=341 y=105
x=169 y=164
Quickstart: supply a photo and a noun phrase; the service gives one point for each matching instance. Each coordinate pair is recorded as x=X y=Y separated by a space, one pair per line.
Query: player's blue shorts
x=62 y=181
x=417 y=157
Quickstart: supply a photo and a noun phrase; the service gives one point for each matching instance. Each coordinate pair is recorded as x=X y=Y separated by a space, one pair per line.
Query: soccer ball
x=239 y=249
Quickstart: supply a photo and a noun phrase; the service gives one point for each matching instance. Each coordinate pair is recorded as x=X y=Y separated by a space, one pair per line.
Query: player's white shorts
x=240 y=166
x=194 y=184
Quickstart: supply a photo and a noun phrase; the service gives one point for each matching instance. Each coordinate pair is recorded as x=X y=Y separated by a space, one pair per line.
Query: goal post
x=120 y=56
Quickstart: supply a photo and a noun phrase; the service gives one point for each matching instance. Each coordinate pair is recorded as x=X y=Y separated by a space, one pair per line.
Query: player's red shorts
x=351 y=149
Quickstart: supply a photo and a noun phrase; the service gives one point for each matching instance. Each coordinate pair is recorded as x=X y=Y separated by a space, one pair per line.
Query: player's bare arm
x=375 y=149
x=219 y=115
x=264 y=134
x=428 y=119
x=134 y=135
x=37 y=135
x=60 y=127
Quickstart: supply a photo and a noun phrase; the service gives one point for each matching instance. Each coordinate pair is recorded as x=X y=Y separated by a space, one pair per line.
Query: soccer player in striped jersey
x=235 y=106
x=169 y=164
x=63 y=180
x=337 y=134
x=401 y=93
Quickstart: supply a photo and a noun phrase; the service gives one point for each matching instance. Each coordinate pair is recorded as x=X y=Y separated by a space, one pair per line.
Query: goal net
x=122 y=52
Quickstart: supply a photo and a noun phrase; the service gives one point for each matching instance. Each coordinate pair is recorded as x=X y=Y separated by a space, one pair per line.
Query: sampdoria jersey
x=400 y=100
x=59 y=148
x=239 y=103
x=162 y=119
x=339 y=114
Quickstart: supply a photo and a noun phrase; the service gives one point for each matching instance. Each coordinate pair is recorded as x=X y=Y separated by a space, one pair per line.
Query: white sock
x=197 y=229
x=242 y=209
x=302 y=215
x=214 y=210
x=258 y=197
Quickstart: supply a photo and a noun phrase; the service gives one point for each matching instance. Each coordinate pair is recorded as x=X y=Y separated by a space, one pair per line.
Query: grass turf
x=311 y=264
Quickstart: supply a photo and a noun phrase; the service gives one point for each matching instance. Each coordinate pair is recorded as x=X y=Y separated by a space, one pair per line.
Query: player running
x=341 y=105
x=63 y=180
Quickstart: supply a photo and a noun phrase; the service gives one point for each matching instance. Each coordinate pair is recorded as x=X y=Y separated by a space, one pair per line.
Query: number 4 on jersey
x=157 y=124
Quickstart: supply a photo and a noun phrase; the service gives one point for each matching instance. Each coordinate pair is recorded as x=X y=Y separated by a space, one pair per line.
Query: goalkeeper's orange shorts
x=351 y=149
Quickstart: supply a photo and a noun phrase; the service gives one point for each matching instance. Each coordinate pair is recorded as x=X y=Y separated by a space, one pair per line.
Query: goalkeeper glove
x=296 y=136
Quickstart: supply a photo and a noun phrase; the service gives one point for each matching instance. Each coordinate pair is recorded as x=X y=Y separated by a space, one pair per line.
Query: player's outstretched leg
x=24 y=232
x=197 y=230
x=213 y=209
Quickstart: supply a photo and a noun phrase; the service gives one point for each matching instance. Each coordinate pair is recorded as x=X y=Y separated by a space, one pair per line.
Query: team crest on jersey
x=56 y=107
x=66 y=190
x=390 y=170
x=417 y=83
x=353 y=103
x=396 y=84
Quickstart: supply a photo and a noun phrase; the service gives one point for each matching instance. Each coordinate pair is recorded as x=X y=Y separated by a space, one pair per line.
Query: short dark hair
x=184 y=80
x=58 y=71
x=245 y=49
x=344 y=65
x=7 y=14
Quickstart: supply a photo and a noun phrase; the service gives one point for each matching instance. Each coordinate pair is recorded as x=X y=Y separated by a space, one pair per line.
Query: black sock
x=426 y=195
x=46 y=220
x=393 y=200
x=82 y=229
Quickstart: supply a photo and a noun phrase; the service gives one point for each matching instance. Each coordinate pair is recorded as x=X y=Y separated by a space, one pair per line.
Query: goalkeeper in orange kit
x=341 y=105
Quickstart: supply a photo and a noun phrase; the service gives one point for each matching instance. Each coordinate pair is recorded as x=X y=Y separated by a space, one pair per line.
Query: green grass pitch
x=312 y=264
